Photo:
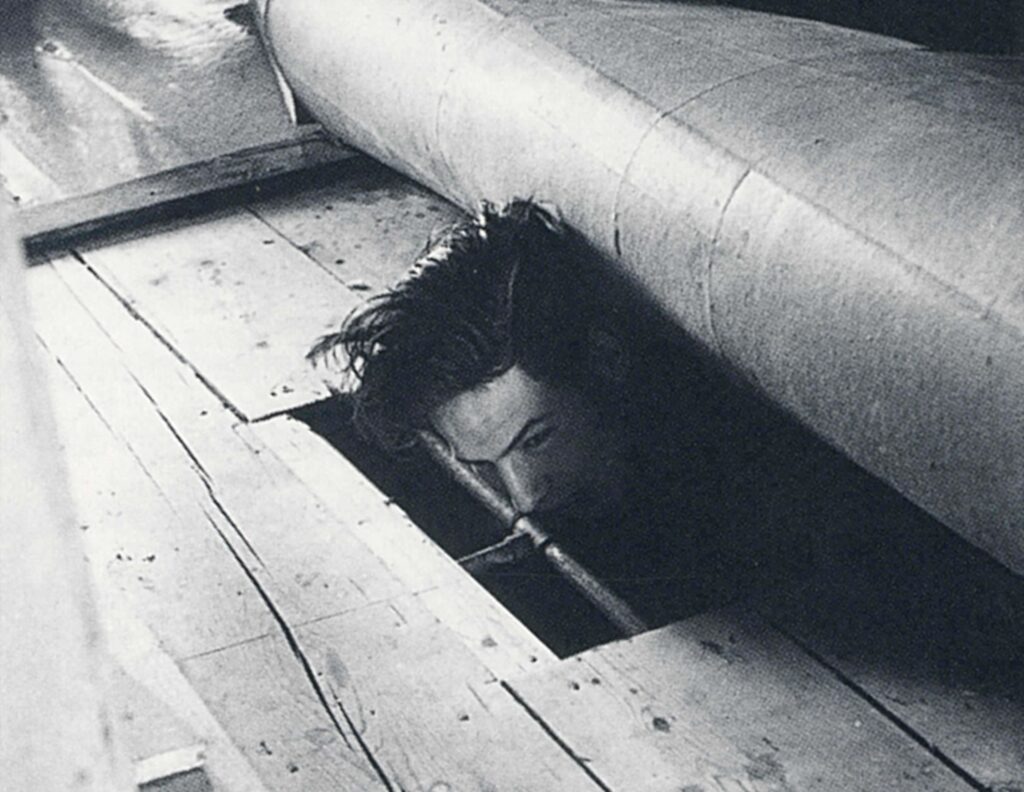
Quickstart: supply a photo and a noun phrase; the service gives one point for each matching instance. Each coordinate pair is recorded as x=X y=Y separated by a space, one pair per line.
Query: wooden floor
x=266 y=601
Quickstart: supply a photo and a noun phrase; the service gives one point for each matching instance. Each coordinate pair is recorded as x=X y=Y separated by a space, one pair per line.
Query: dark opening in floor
x=680 y=549
x=745 y=507
x=537 y=595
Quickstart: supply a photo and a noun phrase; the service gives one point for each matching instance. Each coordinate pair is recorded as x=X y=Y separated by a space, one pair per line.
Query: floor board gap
x=579 y=760
x=138 y=317
x=875 y=703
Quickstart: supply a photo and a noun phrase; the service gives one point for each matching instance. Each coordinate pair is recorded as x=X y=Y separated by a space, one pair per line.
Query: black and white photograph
x=512 y=395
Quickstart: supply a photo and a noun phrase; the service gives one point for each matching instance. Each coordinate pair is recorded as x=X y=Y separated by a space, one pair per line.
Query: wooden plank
x=259 y=695
x=180 y=579
x=148 y=524
x=196 y=186
x=215 y=605
x=149 y=562
x=236 y=300
x=56 y=733
x=433 y=718
x=192 y=593
x=723 y=702
x=366 y=230
x=326 y=570
x=187 y=442
x=930 y=628
x=429 y=719
x=352 y=534
x=420 y=685
x=409 y=555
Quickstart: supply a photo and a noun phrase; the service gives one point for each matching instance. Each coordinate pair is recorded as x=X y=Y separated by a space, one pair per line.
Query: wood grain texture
x=171 y=591
x=188 y=443
x=355 y=547
x=260 y=696
x=723 y=702
x=433 y=717
x=365 y=229
x=180 y=563
x=237 y=300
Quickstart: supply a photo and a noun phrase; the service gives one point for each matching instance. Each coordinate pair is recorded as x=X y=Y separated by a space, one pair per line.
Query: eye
x=538 y=439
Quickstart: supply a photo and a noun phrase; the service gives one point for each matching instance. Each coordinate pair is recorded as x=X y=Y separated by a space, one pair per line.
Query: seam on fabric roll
x=616 y=231
x=709 y=308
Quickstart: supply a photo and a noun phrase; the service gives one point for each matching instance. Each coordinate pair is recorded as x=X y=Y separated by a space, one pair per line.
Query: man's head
x=490 y=343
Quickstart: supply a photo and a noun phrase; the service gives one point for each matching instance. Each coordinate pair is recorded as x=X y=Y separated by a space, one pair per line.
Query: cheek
x=580 y=456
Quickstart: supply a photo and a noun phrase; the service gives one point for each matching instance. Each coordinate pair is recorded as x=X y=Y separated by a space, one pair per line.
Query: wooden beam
x=187 y=189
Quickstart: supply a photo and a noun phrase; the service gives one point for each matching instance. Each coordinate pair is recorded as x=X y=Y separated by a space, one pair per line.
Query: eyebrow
x=525 y=430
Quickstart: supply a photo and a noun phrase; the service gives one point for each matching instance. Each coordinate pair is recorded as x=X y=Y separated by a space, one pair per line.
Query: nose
x=525 y=484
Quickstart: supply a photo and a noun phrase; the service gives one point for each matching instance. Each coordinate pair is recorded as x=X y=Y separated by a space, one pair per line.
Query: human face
x=546 y=445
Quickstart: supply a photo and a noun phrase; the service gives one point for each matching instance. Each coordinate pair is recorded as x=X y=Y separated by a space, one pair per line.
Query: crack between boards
x=876 y=704
x=204 y=476
x=307 y=667
x=289 y=635
x=165 y=342
x=378 y=769
x=98 y=413
x=286 y=629
x=580 y=761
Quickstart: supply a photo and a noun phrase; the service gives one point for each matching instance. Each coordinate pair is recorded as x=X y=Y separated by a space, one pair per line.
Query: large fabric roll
x=835 y=214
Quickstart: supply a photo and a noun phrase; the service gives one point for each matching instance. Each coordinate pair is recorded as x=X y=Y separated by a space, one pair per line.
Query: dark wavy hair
x=498 y=289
